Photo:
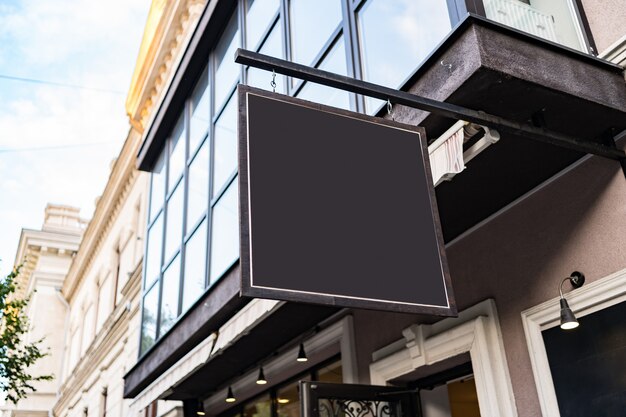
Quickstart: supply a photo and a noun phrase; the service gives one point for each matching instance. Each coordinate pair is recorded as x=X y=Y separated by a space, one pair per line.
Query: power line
x=64 y=85
x=54 y=147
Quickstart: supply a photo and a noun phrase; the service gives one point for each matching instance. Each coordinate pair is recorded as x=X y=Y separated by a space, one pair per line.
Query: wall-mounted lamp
x=200 y=410
x=302 y=354
x=261 y=378
x=568 y=319
x=230 y=398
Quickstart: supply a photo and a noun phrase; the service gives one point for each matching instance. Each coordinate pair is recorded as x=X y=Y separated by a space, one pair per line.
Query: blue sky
x=90 y=43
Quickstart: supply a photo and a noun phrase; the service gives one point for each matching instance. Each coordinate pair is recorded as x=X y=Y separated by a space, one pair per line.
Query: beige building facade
x=46 y=255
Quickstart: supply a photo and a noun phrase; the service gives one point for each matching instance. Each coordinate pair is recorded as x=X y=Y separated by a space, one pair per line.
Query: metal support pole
x=453 y=111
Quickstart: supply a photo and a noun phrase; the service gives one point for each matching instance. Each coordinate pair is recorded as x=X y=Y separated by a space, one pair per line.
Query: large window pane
x=148 y=323
x=312 y=23
x=549 y=19
x=169 y=296
x=225 y=157
x=157 y=193
x=227 y=71
x=273 y=47
x=174 y=228
x=198 y=193
x=261 y=407
x=288 y=401
x=153 y=252
x=260 y=14
x=177 y=153
x=396 y=36
x=195 y=266
x=225 y=232
x=335 y=62
x=200 y=113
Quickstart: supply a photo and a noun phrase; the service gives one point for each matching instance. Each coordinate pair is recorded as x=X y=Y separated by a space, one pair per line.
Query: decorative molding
x=588 y=299
x=475 y=331
x=616 y=53
x=168 y=30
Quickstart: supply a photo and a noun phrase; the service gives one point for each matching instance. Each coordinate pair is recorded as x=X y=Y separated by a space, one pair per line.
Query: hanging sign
x=337 y=208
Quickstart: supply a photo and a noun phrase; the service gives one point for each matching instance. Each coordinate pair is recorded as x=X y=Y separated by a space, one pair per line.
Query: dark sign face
x=337 y=208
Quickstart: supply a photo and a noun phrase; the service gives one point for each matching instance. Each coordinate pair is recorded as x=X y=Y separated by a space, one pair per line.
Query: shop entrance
x=451 y=393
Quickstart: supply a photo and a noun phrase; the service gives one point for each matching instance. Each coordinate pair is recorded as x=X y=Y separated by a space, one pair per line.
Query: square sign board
x=337 y=208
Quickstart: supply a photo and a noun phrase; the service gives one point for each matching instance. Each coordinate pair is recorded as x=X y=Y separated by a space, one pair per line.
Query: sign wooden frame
x=252 y=285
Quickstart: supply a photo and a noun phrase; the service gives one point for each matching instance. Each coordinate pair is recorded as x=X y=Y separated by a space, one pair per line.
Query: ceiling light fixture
x=302 y=354
x=261 y=378
x=230 y=398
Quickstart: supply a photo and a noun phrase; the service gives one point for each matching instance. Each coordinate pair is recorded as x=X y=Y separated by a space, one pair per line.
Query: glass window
x=169 y=296
x=195 y=266
x=200 y=112
x=335 y=62
x=157 y=194
x=174 y=227
x=260 y=14
x=312 y=24
x=225 y=232
x=153 y=252
x=225 y=157
x=227 y=71
x=553 y=20
x=413 y=27
x=332 y=373
x=148 y=323
x=288 y=400
x=177 y=153
x=259 y=408
x=273 y=47
x=198 y=192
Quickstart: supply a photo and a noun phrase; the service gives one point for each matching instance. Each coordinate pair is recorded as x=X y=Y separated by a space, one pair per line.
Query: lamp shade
x=568 y=319
x=230 y=398
x=261 y=379
x=302 y=354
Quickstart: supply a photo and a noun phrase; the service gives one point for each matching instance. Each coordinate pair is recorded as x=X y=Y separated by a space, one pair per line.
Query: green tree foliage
x=16 y=356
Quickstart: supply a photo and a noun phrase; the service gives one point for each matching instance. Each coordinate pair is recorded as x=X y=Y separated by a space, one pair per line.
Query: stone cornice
x=167 y=30
x=122 y=178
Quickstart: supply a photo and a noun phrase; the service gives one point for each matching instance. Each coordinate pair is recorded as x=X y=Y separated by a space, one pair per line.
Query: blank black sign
x=337 y=208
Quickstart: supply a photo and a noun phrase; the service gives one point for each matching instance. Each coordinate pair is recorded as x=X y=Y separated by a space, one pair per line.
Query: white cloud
x=86 y=42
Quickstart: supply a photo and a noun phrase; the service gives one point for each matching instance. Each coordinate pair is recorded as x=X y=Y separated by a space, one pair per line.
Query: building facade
x=517 y=219
x=45 y=256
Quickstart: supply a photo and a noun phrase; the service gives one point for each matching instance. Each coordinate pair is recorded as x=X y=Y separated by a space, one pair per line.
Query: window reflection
x=174 y=225
x=312 y=23
x=227 y=71
x=414 y=27
x=158 y=187
x=259 y=408
x=169 y=296
x=332 y=373
x=260 y=14
x=153 y=251
x=288 y=400
x=195 y=266
x=149 y=318
x=335 y=62
x=273 y=47
x=200 y=113
x=225 y=157
x=198 y=187
x=225 y=232
x=177 y=154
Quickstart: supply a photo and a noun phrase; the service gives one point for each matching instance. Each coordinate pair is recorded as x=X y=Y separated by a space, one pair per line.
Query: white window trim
x=475 y=331
x=588 y=299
